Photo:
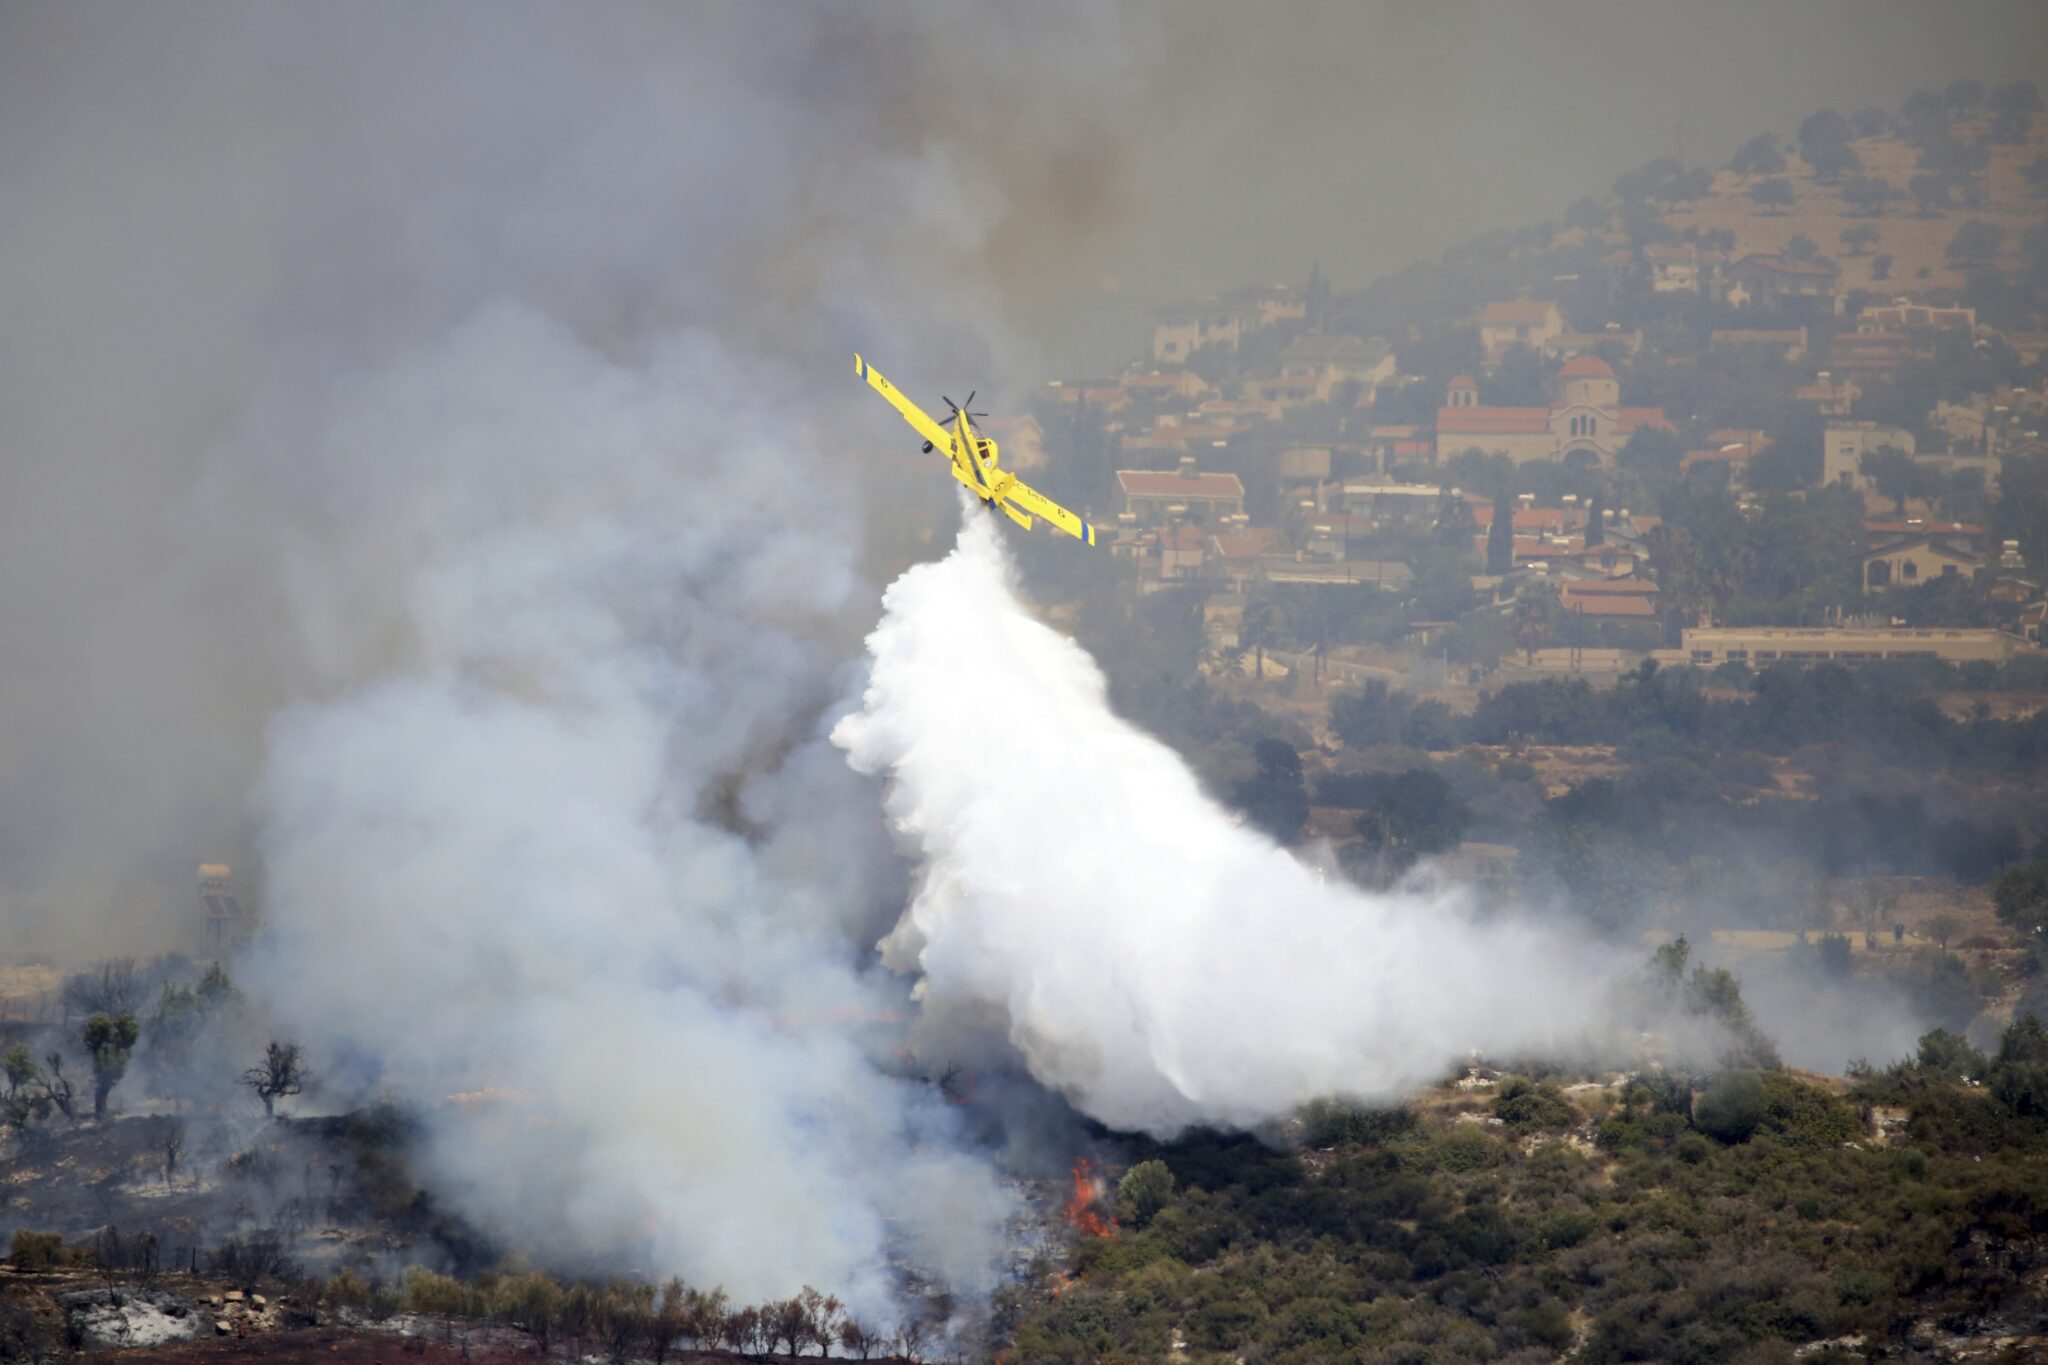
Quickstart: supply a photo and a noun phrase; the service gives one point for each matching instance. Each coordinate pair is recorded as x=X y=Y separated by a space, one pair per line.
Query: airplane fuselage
x=977 y=462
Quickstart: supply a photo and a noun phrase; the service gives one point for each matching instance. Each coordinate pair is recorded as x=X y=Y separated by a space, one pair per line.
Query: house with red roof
x=1185 y=496
x=1732 y=451
x=1785 y=343
x=1103 y=395
x=1900 y=314
x=1844 y=444
x=1829 y=396
x=1619 y=599
x=1235 y=554
x=1527 y=322
x=1287 y=390
x=1585 y=422
x=1876 y=353
x=1241 y=411
x=1158 y=387
x=1181 y=329
x=1909 y=560
x=1772 y=282
x=1330 y=361
x=1159 y=440
x=1682 y=267
x=1532 y=520
x=1565 y=345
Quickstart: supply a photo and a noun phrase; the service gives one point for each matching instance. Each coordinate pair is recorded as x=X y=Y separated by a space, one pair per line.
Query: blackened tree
x=2015 y=97
x=2019 y=1073
x=1867 y=193
x=1500 y=537
x=1923 y=117
x=1274 y=797
x=1824 y=141
x=1758 y=156
x=279 y=1076
x=1975 y=241
x=1775 y=193
x=1929 y=191
x=2020 y=895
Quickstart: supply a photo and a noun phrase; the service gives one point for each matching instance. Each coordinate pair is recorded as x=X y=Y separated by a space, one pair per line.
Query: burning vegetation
x=1085 y=1210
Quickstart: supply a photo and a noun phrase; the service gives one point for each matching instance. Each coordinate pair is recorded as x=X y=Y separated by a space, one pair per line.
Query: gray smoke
x=440 y=458
x=578 y=848
x=434 y=483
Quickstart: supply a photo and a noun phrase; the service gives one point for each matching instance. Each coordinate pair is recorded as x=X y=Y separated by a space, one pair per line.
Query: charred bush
x=253 y=1258
x=40 y=1251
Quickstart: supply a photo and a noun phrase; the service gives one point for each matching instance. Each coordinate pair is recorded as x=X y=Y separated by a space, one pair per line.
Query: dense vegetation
x=1639 y=1221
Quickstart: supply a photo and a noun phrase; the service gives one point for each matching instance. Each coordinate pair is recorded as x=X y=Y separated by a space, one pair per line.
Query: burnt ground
x=316 y=1194
x=40 y=1321
x=332 y=1345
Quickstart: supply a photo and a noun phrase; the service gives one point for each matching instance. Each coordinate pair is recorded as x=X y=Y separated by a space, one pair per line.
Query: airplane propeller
x=963 y=407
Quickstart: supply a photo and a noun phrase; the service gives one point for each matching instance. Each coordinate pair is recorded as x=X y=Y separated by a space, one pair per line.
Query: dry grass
x=24 y=988
x=1913 y=242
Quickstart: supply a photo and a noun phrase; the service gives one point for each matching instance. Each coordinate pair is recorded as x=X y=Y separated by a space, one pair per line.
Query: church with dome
x=1585 y=423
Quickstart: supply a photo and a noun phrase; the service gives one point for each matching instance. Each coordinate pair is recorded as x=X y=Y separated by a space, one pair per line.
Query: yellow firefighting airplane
x=975 y=460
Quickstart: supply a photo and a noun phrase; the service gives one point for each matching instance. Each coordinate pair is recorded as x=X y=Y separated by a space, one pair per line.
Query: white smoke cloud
x=519 y=861
x=1149 y=958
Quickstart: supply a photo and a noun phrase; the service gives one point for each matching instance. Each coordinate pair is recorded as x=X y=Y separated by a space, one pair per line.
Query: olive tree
x=278 y=1076
x=110 y=1039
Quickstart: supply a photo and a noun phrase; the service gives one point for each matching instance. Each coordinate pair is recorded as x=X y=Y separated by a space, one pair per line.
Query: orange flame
x=1084 y=1208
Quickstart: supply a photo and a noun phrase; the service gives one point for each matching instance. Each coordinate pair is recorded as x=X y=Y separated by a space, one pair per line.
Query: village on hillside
x=1558 y=450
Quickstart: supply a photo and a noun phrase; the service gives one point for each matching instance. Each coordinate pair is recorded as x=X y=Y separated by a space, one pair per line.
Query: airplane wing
x=940 y=438
x=1032 y=500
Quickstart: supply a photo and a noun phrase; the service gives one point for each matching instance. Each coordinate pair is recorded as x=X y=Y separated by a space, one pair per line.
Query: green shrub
x=1324 y=1324
x=1548 y=1324
x=1482 y=1234
x=1859 y=1285
x=1226 y=1324
x=1525 y=1105
x=346 y=1289
x=2019 y=1074
x=1620 y=1134
x=1145 y=1189
x=1731 y=1106
x=1332 y=1123
x=1566 y=1228
x=1806 y=1115
x=1950 y=1055
x=38 y=1251
x=1465 y=1148
x=1122 y=1254
x=1080 y=1325
x=1664 y=1128
x=428 y=1294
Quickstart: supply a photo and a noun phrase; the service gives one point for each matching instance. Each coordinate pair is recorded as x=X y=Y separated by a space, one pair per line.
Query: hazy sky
x=1374 y=135
x=212 y=214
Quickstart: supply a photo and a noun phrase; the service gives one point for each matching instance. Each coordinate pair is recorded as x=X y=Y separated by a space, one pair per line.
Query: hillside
x=1916 y=240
